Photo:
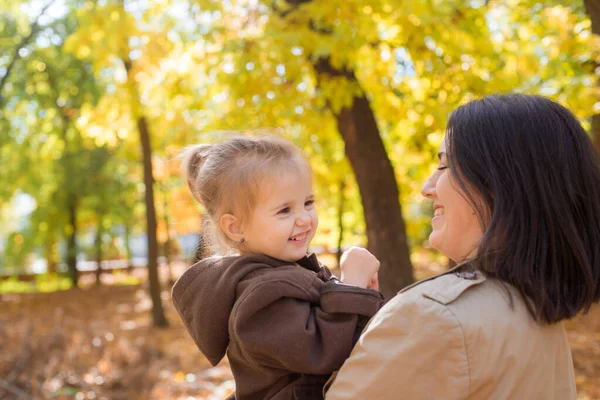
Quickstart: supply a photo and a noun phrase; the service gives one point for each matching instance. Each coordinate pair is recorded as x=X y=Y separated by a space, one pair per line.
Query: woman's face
x=456 y=229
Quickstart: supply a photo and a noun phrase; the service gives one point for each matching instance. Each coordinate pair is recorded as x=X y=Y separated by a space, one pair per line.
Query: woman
x=517 y=205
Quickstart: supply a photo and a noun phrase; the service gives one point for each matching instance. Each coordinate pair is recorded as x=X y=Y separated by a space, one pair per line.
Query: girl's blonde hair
x=226 y=177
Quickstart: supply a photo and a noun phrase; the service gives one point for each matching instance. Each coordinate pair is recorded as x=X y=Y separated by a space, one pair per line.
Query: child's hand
x=358 y=267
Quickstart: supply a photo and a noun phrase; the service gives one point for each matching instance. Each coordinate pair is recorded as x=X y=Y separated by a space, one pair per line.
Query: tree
x=75 y=175
x=116 y=27
x=365 y=88
x=593 y=9
x=335 y=73
x=47 y=138
x=376 y=180
x=22 y=43
x=158 y=314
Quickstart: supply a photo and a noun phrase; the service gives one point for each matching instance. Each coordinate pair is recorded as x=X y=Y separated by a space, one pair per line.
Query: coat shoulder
x=447 y=287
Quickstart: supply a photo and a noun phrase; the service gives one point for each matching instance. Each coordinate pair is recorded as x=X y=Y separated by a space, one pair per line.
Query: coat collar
x=456 y=270
x=310 y=262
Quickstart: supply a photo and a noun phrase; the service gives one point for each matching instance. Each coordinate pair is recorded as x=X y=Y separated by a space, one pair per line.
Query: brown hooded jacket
x=284 y=326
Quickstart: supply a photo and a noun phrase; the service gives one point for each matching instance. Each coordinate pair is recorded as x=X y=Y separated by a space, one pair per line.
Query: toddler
x=284 y=321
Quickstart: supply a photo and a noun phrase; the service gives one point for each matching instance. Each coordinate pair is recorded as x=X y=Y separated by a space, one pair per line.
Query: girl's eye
x=441 y=168
x=284 y=211
x=309 y=203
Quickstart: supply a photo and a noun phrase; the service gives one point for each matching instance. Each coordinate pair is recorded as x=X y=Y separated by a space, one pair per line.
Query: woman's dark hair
x=531 y=173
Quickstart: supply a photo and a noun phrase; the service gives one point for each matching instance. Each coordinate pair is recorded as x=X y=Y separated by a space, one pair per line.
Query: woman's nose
x=428 y=189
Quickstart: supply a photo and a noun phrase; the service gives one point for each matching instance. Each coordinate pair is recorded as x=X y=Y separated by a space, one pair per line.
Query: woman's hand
x=359 y=267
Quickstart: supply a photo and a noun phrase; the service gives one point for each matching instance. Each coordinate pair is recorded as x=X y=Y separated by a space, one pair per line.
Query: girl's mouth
x=299 y=237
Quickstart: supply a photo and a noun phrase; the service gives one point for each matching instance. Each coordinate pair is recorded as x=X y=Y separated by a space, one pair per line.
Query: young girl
x=284 y=321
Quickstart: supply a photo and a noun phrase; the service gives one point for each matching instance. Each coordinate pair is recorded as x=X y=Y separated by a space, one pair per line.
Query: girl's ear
x=231 y=226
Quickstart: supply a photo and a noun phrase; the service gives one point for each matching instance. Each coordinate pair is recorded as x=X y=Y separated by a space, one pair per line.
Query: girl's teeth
x=438 y=211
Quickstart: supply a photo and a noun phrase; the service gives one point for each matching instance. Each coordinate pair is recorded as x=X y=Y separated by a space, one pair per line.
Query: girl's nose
x=303 y=219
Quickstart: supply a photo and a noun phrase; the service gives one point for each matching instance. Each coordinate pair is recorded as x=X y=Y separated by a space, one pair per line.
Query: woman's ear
x=231 y=226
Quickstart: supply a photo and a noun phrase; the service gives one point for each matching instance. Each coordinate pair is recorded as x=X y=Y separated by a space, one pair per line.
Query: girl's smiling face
x=284 y=220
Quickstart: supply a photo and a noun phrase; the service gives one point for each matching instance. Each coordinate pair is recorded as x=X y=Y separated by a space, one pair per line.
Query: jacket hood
x=205 y=295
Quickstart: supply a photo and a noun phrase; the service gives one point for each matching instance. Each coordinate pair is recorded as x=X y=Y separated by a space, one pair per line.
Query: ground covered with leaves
x=98 y=343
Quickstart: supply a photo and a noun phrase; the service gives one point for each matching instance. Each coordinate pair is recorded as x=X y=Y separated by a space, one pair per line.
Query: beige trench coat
x=455 y=336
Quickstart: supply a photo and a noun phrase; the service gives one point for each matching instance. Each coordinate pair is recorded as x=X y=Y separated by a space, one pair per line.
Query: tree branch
x=312 y=25
x=593 y=9
x=24 y=42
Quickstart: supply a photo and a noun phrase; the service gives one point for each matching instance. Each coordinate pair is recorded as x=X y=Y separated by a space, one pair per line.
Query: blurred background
x=98 y=98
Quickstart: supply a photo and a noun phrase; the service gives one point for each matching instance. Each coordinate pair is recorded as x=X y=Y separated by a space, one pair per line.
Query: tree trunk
x=51 y=254
x=593 y=9
x=72 y=241
x=376 y=180
x=596 y=131
x=128 y=248
x=98 y=243
x=340 y=222
x=169 y=241
x=158 y=314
